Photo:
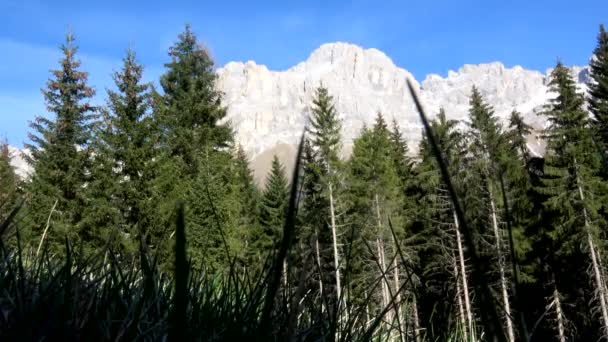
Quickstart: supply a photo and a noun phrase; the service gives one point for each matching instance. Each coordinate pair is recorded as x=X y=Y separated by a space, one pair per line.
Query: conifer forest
x=141 y=219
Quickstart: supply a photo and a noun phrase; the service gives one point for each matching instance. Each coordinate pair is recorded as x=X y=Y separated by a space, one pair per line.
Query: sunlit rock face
x=269 y=109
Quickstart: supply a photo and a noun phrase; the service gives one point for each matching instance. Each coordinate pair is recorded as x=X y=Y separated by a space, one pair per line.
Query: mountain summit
x=269 y=109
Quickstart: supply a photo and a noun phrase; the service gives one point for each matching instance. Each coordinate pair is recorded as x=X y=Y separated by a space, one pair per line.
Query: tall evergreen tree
x=488 y=148
x=273 y=207
x=598 y=86
x=401 y=158
x=574 y=192
x=60 y=152
x=197 y=161
x=8 y=182
x=249 y=193
x=192 y=107
x=517 y=134
x=375 y=196
x=325 y=141
x=446 y=301
x=125 y=167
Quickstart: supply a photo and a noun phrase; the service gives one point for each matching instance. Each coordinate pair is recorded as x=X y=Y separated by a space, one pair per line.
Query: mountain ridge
x=268 y=109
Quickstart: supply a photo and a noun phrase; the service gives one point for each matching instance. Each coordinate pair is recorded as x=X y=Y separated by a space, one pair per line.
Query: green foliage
x=249 y=199
x=571 y=169
x=598 y=85
x=324 y=131
x=60 y=154
x=196 y=160
x=8 y=182
x=436 y=240
x=517 y=135
x=273 y=208
x=323 y=179
x=191 y=106
x=124 y=166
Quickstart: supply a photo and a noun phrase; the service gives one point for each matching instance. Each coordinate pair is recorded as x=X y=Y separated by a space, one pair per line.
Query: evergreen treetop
x=274 y=203
x=325 y=129
x=59 y=147
x=192 y=106
x=519 y=130
x=598 y=85
x=8 y=181
x=127 y=145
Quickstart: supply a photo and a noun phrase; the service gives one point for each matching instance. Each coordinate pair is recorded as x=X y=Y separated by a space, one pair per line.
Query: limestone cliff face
x=269 y=109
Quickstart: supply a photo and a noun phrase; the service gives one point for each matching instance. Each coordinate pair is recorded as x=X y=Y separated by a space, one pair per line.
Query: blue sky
x=421 y=36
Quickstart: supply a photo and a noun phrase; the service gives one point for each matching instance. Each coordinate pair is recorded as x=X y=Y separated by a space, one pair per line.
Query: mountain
x=18 y=161
x=269 y=109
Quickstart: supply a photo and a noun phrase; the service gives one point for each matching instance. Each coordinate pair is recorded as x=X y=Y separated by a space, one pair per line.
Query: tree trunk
x=285 y=273
x=318 y=257
x=599 y=282
x=463 y=318
x=380 y=247
x=501 y=270
x=335 y=243
x=465 y=286
x=385 y=284
x=416 y=319
x=398 y=293
x=560 y=316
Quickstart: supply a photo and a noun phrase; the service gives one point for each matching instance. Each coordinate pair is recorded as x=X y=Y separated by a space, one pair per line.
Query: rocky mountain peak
x=269 y=109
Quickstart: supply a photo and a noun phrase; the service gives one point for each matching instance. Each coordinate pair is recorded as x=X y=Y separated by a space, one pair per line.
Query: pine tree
x=273 y=207
x=124 y=160
x=197 y=163
x=519 y=130
x=574 y=192
x=192 y=107
x=401 y=158
x=8 y=182
x=60 y=153
x=598 y=86
x=443 y=258
x=249 y=193
x=376 y=196
x=488 y=146
x=249 y=203
x=516 y=163
x=325 y=141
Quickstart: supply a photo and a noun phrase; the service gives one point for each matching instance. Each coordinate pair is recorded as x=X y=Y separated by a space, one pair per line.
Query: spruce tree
x=401 y=158
x=598 y=86
x=573 y=193
x=197 y=161
x=191 y=105
x=125 y=166
x=249 y=207
x=325 y=141
x=273 y=207
x=8 y=182
x=59 y=152
x=517 y=169
x=375 y=196
x=488 y=146
x=249 y=193
x=446 y=299
x=517 y=135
